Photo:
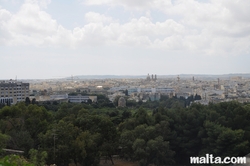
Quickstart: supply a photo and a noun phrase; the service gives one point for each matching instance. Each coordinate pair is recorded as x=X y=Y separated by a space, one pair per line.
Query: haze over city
x=53 y=39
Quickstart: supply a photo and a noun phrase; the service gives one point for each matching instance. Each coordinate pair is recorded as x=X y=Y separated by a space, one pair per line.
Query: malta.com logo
x=210 y=159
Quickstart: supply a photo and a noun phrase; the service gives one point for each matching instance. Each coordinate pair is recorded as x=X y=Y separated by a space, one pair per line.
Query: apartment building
x=12 y=92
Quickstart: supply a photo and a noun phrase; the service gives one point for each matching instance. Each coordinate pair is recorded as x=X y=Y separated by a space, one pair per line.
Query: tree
x=89 y=101
x=223 y=141
x=27 y=100
x=116 y=100
x=126 y=92
x=126 y=114
x=142 y=117
x=23 y=124
x=38 y=157
x=86 y=148
x=58 y=142
x=143 y=144
x=3 y=141
x=33 y=101
x=197 y=97
x=14 y=160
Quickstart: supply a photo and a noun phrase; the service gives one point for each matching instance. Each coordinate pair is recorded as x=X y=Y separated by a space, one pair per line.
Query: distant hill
x=216 y=76
x=105 y=76
x=158 y=76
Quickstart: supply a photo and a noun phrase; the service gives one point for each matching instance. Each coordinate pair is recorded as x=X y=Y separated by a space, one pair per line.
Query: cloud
x=132 y=4
x=4 y=33
x=93 y=17
x=4 y=15
x=40 y=3
x=215 y=27
x=31 y=25
x=221 y=17
x=136 y=32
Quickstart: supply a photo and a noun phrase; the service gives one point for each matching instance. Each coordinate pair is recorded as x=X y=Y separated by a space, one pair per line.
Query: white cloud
x=31 y=25
x=137 y=32
x=31 y=20
x=215 y=27
x=132 y=4
x=97 y=18
x=41 y=3
x=4 y=15
x=4 y=33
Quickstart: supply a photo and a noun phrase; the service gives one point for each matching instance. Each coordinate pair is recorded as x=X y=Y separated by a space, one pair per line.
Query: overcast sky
x=60 y=38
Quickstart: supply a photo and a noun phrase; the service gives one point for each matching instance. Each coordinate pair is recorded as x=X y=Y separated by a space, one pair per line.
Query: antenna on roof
x=16 y=78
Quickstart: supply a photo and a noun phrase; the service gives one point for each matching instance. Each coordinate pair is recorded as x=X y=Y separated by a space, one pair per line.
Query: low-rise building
x=81 y=99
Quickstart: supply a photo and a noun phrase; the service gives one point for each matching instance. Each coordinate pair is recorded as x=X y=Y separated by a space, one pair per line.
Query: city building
x=132 y=90
x=58 y=97
x=165 y=91
x=209 y=88
x=12 y=92
x=153 y=78
x=155 y=96
x=81 y=99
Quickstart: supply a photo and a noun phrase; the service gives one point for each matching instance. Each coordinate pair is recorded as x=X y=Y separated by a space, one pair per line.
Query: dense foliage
x=159 y=133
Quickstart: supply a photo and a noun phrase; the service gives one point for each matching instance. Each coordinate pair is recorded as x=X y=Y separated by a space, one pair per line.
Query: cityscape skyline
x=50 y=39
x=167 y=76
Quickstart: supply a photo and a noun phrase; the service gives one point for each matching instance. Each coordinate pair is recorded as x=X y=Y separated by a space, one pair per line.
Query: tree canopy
x=159 y=133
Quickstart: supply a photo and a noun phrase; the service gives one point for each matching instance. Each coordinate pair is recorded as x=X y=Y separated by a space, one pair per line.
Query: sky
x=42 y=39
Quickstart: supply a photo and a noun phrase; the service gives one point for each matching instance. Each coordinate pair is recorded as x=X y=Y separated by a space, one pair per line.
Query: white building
x=81 y=99
x=164 y=90
x=161 y=90
x=58 y=97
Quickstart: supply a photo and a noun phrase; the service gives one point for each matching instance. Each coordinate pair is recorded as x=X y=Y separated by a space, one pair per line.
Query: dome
x=121 y=102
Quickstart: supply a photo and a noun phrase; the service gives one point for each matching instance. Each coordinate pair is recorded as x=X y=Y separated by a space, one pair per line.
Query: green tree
x=58 y=142
x=14 y=160
x=223 y=141
x=27 y=100
x=86 y=148
x=33 y=101
x=89 y=101
x=38 y=157
x=126 y=92
x=3 y=141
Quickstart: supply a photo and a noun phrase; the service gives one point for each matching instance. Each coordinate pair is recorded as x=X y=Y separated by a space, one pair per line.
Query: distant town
x=78 y=89
x=145 y=120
